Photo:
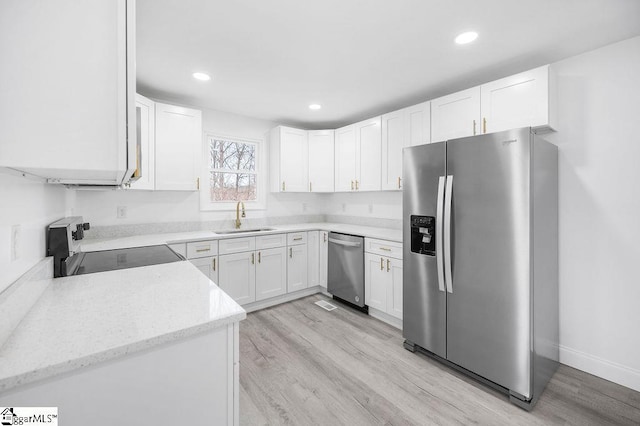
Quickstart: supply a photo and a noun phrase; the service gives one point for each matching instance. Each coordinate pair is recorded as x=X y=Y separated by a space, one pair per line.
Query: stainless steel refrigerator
x=480 y=232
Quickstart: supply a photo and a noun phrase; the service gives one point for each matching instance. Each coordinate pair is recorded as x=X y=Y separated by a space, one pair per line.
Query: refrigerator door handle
x=439 y=216
x=447 y=233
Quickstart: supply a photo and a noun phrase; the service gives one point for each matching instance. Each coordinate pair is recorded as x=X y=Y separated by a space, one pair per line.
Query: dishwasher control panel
x=423 y=235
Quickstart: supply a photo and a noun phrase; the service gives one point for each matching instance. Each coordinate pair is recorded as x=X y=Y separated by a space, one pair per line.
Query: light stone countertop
x=87 y=319
x=181 y=237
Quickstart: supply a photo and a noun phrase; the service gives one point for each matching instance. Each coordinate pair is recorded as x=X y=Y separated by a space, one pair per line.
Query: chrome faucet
x=238 y=223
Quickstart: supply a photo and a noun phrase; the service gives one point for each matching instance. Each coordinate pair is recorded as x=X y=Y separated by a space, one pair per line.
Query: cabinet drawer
x=237 y=245
x=295 y=238
x=271 y=241
x=179 y=248
x=384 y=248
x=202 y=249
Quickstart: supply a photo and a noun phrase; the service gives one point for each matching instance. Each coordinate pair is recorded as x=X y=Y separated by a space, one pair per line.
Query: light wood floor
x=302 y=365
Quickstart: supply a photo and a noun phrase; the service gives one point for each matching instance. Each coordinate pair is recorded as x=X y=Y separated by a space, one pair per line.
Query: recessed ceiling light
x=201 y=76
x=467 y=37
x=315 y=106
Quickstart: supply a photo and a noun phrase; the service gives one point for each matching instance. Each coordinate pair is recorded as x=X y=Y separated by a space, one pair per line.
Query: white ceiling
x=270 y=59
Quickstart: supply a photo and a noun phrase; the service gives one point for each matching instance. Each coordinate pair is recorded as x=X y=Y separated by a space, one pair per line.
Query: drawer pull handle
x=297 y=238
x=203 y=249
x=385 y=249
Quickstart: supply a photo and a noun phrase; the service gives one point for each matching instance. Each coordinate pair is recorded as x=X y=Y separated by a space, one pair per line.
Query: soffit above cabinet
x=270 y=60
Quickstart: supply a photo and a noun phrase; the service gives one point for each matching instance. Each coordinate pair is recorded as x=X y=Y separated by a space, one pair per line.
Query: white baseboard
x=385 y=317
x=609 y=370
x=255 y=306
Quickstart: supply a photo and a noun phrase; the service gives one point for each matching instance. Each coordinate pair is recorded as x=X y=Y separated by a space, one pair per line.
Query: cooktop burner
x=111 y=260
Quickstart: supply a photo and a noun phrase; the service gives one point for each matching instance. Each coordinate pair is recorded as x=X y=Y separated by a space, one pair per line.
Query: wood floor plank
x=302 y=365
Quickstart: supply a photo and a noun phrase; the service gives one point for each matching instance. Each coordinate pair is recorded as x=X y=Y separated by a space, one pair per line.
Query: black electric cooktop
x=111 y=260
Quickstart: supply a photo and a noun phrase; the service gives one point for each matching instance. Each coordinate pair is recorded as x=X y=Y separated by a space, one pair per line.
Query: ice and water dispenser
x=423 y=237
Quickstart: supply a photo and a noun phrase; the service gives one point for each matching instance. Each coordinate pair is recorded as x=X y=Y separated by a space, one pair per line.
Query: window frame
x=261 y=175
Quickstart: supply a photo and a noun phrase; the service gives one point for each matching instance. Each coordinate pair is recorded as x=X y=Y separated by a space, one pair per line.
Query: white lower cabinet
x=313 y=258
x=237 y=276
x=383 y=277
x=208 y=266
x=297 y=268
x=324 y=258
x=271 y=273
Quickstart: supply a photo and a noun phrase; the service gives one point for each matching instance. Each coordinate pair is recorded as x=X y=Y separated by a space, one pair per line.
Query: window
x=232 y=173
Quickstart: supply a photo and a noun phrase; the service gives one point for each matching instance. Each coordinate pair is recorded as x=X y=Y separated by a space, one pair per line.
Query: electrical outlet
x=15 y=242
x=121 y=212
x=344 y=207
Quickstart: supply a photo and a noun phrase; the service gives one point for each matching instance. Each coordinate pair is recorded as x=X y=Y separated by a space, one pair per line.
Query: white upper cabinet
x=289 y=157
x=520 y=100
x=456 y=115
x=178 y=147
x=68 y=90
x=145 y=155
x=345 y=159
x=321 y=160
x=402 y=128
x=368 y=155
x=419 y=124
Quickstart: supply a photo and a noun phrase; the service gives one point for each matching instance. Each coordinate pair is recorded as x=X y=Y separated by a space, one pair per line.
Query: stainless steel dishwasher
x=346 y=268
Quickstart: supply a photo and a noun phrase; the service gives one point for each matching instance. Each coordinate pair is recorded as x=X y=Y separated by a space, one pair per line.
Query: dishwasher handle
x=344 y=243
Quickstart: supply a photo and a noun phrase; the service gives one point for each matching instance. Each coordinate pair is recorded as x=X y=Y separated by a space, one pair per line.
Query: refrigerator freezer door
x=424 y=321
x=488 y=309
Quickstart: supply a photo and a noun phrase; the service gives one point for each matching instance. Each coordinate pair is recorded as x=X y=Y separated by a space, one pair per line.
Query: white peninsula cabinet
x=178 y=148
x=68 y=90
x=321 y=160
x=289 y=157
x=400 y=129
x=383 y=280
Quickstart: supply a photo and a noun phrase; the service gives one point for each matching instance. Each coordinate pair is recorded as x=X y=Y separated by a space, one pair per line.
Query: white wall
x=99 y=207
x=31 y=205
x=599 y=183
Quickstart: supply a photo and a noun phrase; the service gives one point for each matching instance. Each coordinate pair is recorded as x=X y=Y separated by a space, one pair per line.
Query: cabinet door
x=208 y=266
x=67 y=99
x=271 y=273
x=369 y=153
x=394 y=139
x=521 y=100
x=321 y=160
x=178 y=147
x=456 y=115
x=294 y=157
x=393 y=268
x=297 y=268
x=313 y=258
x=376 y=282
x=419 y=124
x=345 y=159
x=237 y=276
x=324 y=258
x=146 y=158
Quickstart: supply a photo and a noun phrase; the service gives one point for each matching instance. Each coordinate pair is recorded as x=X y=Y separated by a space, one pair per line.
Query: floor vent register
x=326 y=305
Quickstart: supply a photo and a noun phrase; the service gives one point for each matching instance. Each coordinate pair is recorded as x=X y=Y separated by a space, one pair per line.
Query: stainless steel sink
x=242 y=231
